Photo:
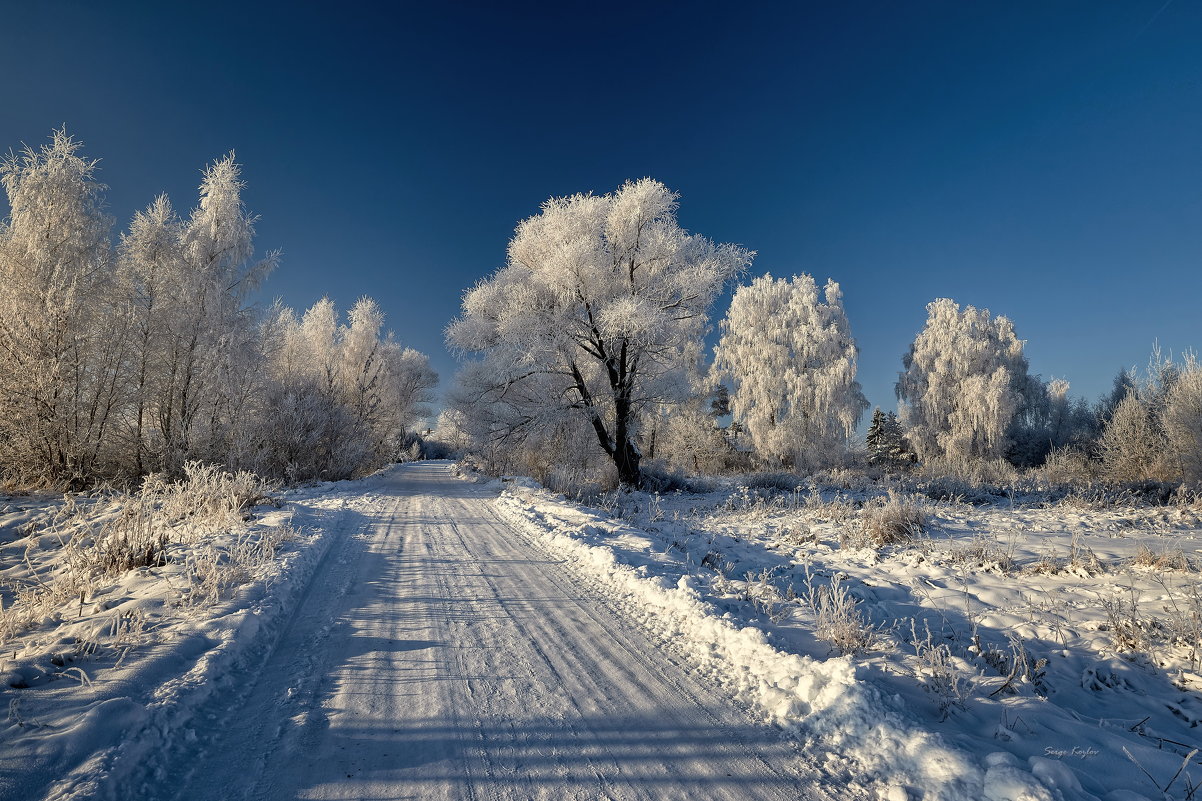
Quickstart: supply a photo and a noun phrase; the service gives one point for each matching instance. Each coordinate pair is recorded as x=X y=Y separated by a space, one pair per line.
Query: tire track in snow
x=443 y=655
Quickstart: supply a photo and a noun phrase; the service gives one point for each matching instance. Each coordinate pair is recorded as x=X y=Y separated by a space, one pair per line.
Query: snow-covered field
x=1019 y=648
x=1015 y=649
x=406 y=643
x=94 y=682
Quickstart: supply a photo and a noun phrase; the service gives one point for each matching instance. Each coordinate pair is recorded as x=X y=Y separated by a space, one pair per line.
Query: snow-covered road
x=438 y=653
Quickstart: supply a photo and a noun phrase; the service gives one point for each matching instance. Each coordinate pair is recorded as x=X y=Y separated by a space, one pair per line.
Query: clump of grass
x=983 y=552
x=894 y=520
x=138 y=532
x=939 y=673
x=1163 y=559
x=837 y=621
x=208 y=495
x=1126 y=623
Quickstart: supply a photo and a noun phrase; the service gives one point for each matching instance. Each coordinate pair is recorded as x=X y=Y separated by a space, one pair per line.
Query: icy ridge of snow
x=822 y=702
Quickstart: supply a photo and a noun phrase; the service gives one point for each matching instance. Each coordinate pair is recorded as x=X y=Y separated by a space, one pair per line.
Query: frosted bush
x=1069 y=466
x=886 y=522
x=208 y=495
x=837 y=620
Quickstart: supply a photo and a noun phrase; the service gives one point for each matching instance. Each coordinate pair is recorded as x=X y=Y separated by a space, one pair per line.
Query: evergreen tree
x=887 y=446
x=720 y=401
x=874 y=440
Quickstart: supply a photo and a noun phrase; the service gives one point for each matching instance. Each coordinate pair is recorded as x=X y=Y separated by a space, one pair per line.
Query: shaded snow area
x=102 y=662
x=394 y=638
x=1015 y=648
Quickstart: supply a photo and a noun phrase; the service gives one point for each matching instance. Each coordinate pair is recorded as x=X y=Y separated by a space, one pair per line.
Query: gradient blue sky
x=1043 y=160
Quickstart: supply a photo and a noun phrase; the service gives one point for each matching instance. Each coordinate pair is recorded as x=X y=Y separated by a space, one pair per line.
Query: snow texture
x=1061 y=727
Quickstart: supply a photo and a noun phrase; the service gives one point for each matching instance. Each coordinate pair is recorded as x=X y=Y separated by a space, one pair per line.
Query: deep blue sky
x=1043 y=160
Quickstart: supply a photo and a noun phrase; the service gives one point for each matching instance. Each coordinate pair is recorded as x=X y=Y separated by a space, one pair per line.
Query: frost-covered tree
x=341 y=396
x=692 y=443
x=115 y=366
x=1048 y=419
x=1152 y=424
x=212 y=336
x=597 y=312
x=411 y=383
x=188 y=283
x=787 y=348
x=1181 y=422
x=452 y=434
x=1131 y=446
x=388 y=386
x=964 y=380
x=885 y=442
x=150 y=264
x=61 y=351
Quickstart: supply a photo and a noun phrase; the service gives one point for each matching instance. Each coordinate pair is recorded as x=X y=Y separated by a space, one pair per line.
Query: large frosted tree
x=60 y=351
x=210 y=340
x=150 y=268
x=964 y=381
x=1181 y=420
x=340 y=397
x=599 y=308
x=787 y=348
x=1154 y=430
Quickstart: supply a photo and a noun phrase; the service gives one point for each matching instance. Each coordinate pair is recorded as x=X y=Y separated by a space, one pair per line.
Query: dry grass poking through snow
x=837 y=621
x=84 y=545
x=887 y=521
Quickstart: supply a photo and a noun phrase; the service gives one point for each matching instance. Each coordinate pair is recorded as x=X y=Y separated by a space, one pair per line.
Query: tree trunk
x=626 y=457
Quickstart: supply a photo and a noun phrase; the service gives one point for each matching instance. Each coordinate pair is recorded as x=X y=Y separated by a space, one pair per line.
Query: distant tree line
x=588 y=352
x=121 y=358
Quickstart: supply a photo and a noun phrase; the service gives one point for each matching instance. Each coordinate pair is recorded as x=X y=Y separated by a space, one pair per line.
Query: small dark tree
x=887 y=446
x=875 y=437
x=720 y=401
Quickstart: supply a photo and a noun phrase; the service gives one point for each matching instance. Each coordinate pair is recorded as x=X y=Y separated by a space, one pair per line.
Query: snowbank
x=866 y=739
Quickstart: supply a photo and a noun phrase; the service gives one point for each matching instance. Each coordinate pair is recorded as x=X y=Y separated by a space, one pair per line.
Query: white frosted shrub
x=1131 y=445
x=1181 y=419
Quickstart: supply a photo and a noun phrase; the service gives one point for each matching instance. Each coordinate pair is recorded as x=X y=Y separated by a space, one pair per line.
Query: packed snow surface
x=408 y=642
x=1013 y=648
x=419 y=635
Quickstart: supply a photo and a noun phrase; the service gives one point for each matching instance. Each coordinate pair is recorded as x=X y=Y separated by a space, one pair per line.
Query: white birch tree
x=150 y=266
x=211 y=324
x=963 y=383
x=788 y=351
x=62 y=357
